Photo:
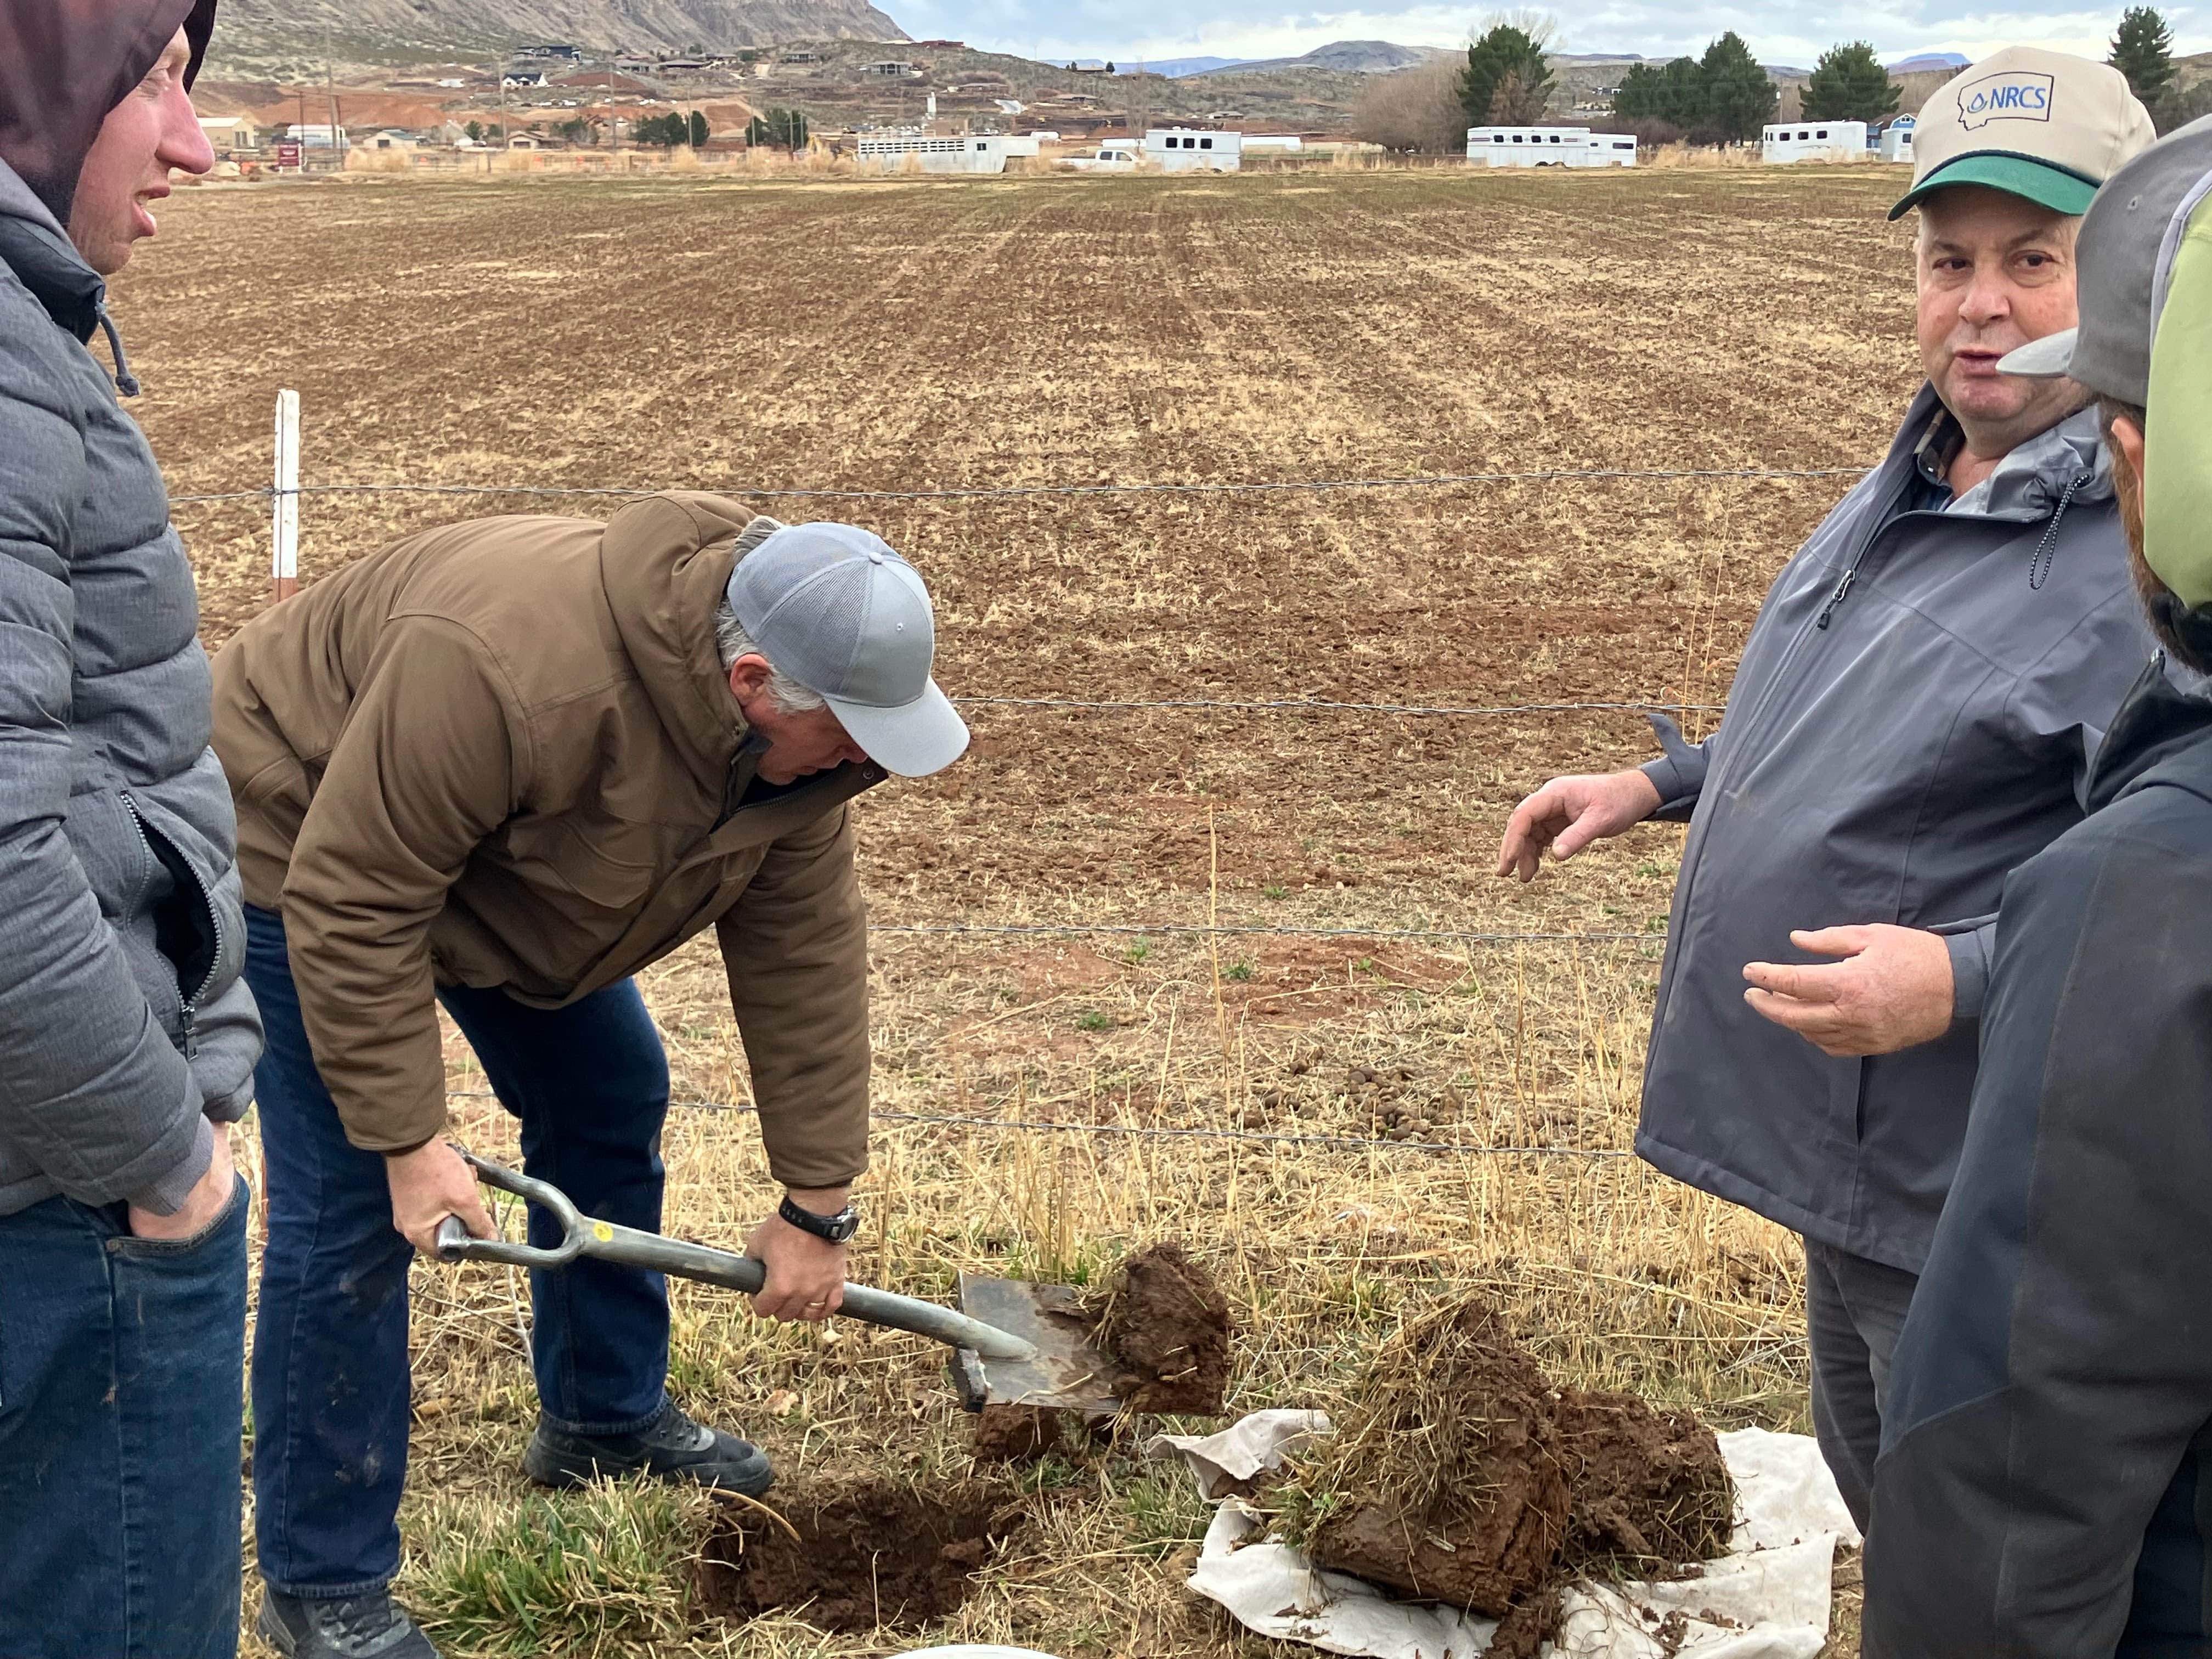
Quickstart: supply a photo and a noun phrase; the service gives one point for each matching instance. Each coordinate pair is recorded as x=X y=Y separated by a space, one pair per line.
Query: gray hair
x=731 y=641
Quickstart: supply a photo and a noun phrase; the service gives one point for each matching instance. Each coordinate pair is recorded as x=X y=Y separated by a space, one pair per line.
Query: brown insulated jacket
x=504 y=753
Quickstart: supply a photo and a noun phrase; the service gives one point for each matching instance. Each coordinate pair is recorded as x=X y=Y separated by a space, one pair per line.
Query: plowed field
x=1050 y=332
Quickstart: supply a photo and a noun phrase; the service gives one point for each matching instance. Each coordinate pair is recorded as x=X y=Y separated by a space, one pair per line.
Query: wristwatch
x=837 y=1228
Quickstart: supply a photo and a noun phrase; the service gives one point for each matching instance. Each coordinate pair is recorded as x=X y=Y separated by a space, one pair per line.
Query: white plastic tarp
x=1768 y=1598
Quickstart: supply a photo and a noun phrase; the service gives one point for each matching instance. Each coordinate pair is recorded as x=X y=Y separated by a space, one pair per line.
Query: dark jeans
x=1854 y=1309
x=122 y=1366
x=330 y=1383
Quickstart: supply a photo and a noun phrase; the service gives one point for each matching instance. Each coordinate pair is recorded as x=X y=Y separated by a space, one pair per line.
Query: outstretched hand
x=1892 y=990
x=1568 y=814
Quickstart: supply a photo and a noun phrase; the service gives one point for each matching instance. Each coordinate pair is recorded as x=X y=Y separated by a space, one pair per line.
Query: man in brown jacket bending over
x=503 y=766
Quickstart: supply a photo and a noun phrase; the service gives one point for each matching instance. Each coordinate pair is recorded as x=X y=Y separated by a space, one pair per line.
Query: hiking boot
x=356 y=1627
x=670 y=1447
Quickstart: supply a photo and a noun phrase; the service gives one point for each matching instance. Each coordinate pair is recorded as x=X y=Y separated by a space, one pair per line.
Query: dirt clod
x=868 y=1553
x=1015 y=1434
x=1465 y=1476
x=1165 y=1322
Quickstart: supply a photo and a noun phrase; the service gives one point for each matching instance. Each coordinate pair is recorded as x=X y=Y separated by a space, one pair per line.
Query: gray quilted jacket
x=124 y=1024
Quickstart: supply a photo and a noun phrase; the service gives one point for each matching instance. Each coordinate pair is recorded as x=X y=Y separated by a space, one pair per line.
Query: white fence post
x=284 y=522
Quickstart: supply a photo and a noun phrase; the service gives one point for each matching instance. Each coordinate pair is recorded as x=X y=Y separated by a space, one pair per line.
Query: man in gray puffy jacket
x=1915 y=712
x=127 y=1039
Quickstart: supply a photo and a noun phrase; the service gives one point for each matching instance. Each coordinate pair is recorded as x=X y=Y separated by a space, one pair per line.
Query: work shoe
x=670 y=1447
x=357 y=1627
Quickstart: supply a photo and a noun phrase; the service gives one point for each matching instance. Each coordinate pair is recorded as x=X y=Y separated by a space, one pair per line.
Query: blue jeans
x=122 y=1364
x=330 y=1383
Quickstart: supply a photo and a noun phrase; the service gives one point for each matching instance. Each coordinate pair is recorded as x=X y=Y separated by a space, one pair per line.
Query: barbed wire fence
x=286 y=493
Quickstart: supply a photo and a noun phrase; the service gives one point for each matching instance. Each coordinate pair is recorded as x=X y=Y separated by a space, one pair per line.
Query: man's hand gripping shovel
x=1016 y=1344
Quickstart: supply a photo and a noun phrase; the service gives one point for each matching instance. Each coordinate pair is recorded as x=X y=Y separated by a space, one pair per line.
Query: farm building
x=1813 y=140
x=1896 y=139
x=392 y=138
x=889 y=152
x=230 y=135
x=1549 y=147
x=1185 y=149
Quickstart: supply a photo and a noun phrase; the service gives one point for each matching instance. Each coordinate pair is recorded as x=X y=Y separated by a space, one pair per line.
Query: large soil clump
x=1465 y=1476
x=869 y=1553
x=1166 y=1323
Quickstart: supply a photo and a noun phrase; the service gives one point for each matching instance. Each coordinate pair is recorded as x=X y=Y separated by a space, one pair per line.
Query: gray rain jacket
x=124 y=1024
x=1915 y=712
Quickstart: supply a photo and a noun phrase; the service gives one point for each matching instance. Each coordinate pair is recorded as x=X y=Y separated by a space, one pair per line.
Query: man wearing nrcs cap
x=1915 y=714
x=2044 y=1490
x=503 y=766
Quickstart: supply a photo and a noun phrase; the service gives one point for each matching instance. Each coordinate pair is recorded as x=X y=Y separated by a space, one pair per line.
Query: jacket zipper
x=188 y=1017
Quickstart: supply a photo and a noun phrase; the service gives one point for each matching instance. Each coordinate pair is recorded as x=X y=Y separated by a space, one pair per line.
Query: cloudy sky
x=1781 y=32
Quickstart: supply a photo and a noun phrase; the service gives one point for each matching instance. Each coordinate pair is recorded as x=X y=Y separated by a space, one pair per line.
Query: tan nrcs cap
x=2046 y=125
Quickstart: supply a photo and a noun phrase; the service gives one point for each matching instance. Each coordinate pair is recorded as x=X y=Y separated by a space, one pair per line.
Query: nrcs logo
x=2019 y=97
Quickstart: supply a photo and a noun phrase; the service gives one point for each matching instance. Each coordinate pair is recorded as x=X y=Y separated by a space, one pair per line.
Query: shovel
x=1016 y=1344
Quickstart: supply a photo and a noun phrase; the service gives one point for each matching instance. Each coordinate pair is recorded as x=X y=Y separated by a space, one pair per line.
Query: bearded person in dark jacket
x=127 y=1038
x=2045 y=1485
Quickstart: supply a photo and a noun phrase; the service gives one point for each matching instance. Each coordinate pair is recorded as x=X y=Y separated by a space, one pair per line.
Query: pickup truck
x=1090 y=161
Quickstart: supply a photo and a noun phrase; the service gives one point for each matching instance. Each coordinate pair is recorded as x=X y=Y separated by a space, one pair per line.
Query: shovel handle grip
x=631 y=1247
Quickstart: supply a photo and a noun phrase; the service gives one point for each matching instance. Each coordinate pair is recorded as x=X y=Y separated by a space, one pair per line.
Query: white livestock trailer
x=1549 y=147
x=1190 y=150
x=889 y=153
x=1896 y=139
x=1813 y=140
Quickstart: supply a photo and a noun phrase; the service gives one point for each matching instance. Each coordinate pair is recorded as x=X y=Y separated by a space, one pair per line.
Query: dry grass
x=890 y=334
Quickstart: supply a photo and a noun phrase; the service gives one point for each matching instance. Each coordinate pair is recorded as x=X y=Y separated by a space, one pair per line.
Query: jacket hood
x=2063 y=463
x=2168 y=715
x=665 y=606
x=64 y=64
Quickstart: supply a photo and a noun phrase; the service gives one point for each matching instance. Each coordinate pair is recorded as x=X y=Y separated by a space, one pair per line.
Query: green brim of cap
x=2043 y=183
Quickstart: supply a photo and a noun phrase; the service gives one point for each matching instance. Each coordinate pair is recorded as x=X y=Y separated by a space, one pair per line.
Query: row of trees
x=672 y=130
x=1722 y=96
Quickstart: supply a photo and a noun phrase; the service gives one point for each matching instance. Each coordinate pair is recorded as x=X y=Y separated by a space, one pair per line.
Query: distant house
x=394 y=139
x=230 y=135
x=682 y=65
x=522 y=77
x=891 y=66
x=1089 y=66
x=531 y=141
x=944 y=45
x=639 y=65
x=800 y=58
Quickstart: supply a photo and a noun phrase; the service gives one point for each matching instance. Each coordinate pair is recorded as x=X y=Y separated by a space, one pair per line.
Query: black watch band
x=837 y=1228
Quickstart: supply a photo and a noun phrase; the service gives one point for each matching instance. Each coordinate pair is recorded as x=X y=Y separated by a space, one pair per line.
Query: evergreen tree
x=1682 y=92
x=475 y=129
x=699 y=134
x=1849 y=84
x=1739 y=98
x=2143 y=51
x=787 y=127
x=1504 y=52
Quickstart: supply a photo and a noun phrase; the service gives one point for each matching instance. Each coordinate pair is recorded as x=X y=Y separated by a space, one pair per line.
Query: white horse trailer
x=1813 y=140
x=1549 y=147
x=1188 y=149
x=888 y=154
x=1896 y=139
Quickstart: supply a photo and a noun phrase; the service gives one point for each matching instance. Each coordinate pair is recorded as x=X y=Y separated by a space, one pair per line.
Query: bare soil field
x=1037 y=333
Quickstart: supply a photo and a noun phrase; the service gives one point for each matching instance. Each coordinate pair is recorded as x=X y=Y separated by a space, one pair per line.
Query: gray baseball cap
x=2122 y=263
x=832 y=606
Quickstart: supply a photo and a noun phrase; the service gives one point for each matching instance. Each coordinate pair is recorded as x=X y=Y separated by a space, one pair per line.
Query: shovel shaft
x=633 y=1247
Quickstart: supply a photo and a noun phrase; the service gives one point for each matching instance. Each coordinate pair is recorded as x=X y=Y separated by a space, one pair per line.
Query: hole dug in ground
x=868 y=1552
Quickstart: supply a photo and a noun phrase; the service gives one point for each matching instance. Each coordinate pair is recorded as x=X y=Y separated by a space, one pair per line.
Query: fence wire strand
x=964 y=1120
x=1556 y=475
x=1203 y=930
x=1302 y=705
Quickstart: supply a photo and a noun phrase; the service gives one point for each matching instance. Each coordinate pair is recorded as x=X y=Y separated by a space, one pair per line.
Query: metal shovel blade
x=1068 y=1370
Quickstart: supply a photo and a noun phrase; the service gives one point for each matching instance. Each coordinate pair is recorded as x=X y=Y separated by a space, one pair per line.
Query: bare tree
x=1539 y=26
x=1415 y=110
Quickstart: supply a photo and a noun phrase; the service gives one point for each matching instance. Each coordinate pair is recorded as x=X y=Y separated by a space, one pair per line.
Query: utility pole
x=614 y=121
x=331 y=89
